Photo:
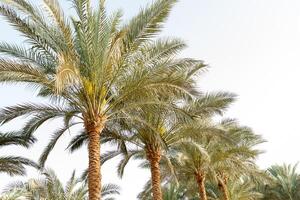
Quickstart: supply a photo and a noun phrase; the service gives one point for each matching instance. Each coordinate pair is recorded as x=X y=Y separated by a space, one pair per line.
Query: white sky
x=253 y=49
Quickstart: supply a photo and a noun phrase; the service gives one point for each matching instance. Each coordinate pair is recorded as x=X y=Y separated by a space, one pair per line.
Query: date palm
x=94 y=69
x=194 y=163
x=237 y=158
x=14 y=165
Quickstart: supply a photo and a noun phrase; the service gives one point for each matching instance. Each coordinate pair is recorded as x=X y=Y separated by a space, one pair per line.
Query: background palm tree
x=194 y=163
x=214 y=155
x=235 y=158
x=50 y=188
x=285 y=183
x=94 y=69
x=14 y=165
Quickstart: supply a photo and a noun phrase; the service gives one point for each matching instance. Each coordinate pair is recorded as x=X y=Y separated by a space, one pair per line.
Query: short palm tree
x=51 y=188
x=14 y=165
x=94 y=69
x=194 y=162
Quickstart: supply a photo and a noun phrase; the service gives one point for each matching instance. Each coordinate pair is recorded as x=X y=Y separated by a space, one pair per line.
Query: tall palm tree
x=94 y=69
x=14 y=165
x=194 y=162
x=50 y=188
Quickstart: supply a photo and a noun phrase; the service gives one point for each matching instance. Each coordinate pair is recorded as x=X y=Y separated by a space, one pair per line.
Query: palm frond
x=13 y=165
x=147 y=23
x=15 y=139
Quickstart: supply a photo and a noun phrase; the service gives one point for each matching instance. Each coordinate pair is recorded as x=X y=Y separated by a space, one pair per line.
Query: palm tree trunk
x=223 y=187
x=94 y=172
x=154 y=159
x=200 y=177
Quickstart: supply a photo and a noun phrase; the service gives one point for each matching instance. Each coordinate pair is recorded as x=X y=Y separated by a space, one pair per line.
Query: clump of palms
x=94 y=69
x=14 y=165
x=122 y=84
x=216 y=158
x=51 y=188
x=160 y=131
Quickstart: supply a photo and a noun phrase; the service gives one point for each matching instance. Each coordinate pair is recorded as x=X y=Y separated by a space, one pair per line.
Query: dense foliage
x=49 y=187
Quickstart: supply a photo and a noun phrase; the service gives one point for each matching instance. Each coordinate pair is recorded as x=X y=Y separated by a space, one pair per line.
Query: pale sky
x=253 y=49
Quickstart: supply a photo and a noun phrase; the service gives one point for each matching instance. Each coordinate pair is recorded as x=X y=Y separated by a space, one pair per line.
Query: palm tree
x=94 y=69
x=167 y=132
x=14 y=165
x=51 y=188
x=194 y=162
x=237 y=157
x=285 y=183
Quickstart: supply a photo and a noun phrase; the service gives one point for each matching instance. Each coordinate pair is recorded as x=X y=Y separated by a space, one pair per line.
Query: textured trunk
x=200 y=177
x=94 y=172
x=154 y=159
x=223 y=187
